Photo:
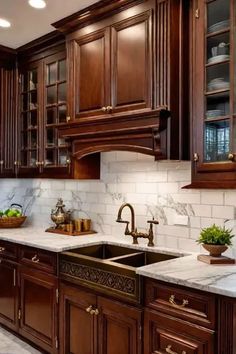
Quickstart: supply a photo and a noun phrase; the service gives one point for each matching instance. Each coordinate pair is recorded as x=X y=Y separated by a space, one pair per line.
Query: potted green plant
x=215 y=239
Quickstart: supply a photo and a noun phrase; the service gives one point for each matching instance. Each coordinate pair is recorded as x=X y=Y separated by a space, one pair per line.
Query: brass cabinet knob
x=109 y=109
x=35 y=259
x=94 y=312
x=2 y=249
x=68 y=118
x=231 y=157
x=104 y=109
x=195 y=157
x=88 y=309
x=1 y=162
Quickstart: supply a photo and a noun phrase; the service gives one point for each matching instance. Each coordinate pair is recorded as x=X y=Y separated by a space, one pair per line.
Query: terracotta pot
x=215 y=250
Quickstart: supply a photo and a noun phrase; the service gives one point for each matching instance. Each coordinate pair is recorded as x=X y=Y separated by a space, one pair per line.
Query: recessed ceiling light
x=38 y=4
x=4 y=23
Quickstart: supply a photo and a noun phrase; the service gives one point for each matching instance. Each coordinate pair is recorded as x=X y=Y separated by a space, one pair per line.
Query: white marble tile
x=10 y=344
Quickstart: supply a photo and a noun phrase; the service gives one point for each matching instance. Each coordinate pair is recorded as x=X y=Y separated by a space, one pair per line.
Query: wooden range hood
x=144 y=132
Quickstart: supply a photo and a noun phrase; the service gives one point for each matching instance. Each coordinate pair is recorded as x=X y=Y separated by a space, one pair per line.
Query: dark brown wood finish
x=133 y=75
x=38 y=309
x=167 y=334
x=77 y=327
x=221 y=173
x=8 y=294
x=119 y=329
x=8 y=93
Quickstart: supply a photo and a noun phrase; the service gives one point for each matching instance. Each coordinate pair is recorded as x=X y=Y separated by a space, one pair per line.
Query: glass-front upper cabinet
x=213 y=94
x=55 y=148
x=29 y=127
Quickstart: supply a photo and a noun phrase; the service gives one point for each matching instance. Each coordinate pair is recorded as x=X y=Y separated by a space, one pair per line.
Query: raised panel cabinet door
x=119 y=328
x=132 y=61
x=7 y=121
x=166 y=334
x=8 y=294
x=38 y=309
x=78 y=330
x=91 y=74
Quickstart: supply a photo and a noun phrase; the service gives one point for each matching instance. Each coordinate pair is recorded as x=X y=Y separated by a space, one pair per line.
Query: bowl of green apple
x=12 y=217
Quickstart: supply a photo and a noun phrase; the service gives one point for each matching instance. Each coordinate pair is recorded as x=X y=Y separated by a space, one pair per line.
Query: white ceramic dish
x=218 y=59
x=218 y=26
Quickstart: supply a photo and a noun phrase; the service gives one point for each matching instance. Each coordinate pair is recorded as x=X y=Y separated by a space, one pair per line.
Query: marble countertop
x=185 y=270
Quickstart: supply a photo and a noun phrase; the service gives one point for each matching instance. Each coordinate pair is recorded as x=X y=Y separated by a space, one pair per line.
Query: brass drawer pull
x=104 y=109
x=2 y=249
x=169 y=351
x=35 y=259
x=172 y=302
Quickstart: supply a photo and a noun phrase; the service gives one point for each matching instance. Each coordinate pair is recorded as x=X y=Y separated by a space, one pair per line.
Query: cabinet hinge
x=140 y=333
x=197 y=13
x=57 y=296
x=19 y=314
x=56 y=343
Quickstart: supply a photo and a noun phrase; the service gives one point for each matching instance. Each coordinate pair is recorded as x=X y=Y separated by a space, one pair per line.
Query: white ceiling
x=28 y=23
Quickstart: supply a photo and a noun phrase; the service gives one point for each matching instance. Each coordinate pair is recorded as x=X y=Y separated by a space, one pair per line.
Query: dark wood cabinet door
x=7 y=121
x=132 y=62
x=166 y=334
x=78 y=330
x=89 y=83
x=38 y=308
x=8 y=294
x=29 y=120
x=119 y=328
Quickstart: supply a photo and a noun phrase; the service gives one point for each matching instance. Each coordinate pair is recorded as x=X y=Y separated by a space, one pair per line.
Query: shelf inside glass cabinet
x=217 y=120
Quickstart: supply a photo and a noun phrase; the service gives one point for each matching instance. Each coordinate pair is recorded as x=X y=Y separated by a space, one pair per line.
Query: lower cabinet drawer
x=8 y=250
x=188 y=304
x=40 y=259
x=165 y=334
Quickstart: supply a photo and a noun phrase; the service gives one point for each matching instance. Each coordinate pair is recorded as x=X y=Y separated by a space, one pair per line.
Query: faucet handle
x=153 y=221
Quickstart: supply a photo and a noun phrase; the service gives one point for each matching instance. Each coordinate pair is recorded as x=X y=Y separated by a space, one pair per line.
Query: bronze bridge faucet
x=134 y=232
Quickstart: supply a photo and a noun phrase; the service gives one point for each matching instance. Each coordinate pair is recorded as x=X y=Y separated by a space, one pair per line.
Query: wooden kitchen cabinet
x=119 y=328
x=166 y=334
x=8 y=79
x=213 y=94
x=78 y=328
x=178 y=320
x=113 y=329
x=8 y=294
x=42 y=109
x=125 y=77
x=112 y=66
x=38 y=308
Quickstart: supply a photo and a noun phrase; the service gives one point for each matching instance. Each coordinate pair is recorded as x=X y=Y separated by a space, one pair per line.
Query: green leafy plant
x=216 y=235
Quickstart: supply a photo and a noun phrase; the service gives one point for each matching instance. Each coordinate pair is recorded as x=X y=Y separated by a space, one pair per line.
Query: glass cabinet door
x=218 y=95
x=56 y=149
x=29 y=116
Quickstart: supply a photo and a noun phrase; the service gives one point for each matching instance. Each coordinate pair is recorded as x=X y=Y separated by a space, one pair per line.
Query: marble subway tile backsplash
x=154 y=188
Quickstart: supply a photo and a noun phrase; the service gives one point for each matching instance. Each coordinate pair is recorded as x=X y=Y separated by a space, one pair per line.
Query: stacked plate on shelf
x=218 y=84
x=218 y=59
x=212 y=113
x=218 y=26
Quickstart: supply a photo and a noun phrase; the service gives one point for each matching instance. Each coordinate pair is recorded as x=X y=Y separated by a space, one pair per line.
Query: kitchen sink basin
x=104 y=251
x=143 y=258
x=109 y=269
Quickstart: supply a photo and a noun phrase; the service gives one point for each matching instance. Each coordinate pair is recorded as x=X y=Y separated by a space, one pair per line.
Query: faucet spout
x=120 y=220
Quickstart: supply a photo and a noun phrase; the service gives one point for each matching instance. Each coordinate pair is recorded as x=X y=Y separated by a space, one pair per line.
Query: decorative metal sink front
x=109 y=269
